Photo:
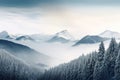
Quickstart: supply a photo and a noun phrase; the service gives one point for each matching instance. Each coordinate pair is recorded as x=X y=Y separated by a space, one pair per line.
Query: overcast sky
x=79 y=17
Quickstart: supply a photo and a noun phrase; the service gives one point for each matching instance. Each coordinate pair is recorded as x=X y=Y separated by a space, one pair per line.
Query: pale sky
x=79 y=19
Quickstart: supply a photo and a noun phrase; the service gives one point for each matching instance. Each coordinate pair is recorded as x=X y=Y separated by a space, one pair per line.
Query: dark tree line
x=101 y=65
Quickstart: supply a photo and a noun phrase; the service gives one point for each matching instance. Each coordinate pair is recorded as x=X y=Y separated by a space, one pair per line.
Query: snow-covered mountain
x=5 y=35
x=24 y=37
x=20 y=37
x=63 y=37
x=110 y=34
x=90 y=39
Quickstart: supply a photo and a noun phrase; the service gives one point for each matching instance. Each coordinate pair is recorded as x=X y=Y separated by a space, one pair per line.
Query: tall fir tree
x=100 y=57
x=117 y=68
x=108 y=66
x=89 y=67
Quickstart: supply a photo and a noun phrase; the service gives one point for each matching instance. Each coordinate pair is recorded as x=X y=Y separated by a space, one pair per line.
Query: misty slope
x=29 y=55
x=11 y=68
x=90 y=39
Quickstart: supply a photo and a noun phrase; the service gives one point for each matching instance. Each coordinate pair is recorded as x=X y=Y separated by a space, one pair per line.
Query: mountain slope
x=90 y=39
x=27 y=54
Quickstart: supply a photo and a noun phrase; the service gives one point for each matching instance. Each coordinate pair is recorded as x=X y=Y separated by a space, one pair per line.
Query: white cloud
x=79 y=20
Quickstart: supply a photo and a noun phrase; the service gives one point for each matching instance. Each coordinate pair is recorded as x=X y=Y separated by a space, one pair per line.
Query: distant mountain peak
x=63 y=31
x=64 y=34
x=4 y=34
x=25 y=37
x=108 y=31
x=110 y=34
x=90 y=39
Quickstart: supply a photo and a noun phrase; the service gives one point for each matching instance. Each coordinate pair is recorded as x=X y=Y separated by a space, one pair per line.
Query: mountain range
x=61 y=37
x=90 y=39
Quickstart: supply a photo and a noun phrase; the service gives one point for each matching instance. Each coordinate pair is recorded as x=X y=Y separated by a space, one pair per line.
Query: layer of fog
x=63 y=52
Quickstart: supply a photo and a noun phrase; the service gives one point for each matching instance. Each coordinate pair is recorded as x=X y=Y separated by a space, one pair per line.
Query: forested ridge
x=12 y=68
x=98 y=65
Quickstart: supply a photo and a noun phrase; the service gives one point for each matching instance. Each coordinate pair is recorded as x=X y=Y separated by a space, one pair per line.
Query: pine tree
x=99 y=62
x=89 y=67
x=108 y=66
x=117 y=68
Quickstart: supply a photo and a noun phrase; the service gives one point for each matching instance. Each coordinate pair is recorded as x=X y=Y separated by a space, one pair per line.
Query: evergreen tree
x=108 y=66
x=99 y=62
x=89 y=67
x=117 y=67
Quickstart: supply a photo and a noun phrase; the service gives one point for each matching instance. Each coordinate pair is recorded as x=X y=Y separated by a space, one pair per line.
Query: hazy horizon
x=79 y=17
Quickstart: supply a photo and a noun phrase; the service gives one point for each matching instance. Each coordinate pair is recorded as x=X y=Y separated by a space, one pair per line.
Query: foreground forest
x=103 y=64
